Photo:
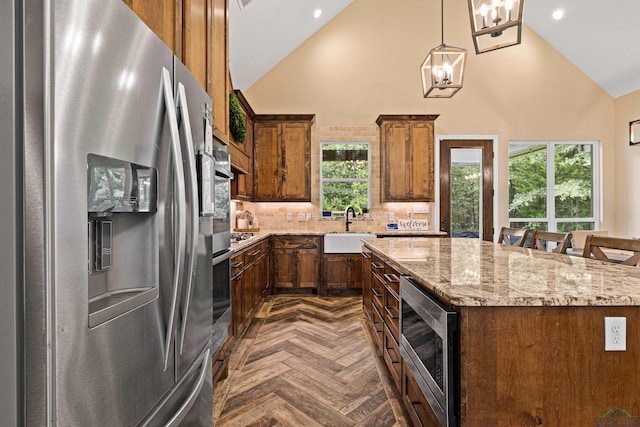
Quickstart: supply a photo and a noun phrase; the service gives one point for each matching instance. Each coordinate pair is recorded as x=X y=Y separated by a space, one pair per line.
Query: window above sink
x=344 y=176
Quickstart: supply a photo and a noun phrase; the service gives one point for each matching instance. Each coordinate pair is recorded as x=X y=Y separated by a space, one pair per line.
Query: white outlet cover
x=615 y=333
x=289 y=217
x=301 y=217
x=391 y=216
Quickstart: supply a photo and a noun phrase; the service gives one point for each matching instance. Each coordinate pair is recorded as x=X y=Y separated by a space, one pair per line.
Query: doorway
x=466 y=188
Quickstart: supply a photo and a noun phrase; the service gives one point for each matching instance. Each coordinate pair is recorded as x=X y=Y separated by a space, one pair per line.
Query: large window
x=553 y=185
x=344 y=175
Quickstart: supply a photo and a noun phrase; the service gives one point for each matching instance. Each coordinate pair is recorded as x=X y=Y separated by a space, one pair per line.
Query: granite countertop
x=470 y=272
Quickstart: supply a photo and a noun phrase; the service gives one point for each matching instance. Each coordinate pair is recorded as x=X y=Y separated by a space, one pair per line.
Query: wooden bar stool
x=620 y=250
x=513 y=236
x=540 y=240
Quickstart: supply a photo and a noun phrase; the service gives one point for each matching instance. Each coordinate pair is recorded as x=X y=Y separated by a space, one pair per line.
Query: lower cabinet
x=250 y=283
x=419 y=409
x=342 y=271
x=366 y=282
x=296 y=263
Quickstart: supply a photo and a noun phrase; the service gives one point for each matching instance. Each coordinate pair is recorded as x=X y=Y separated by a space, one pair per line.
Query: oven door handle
x=223 y=257
x=222 y=172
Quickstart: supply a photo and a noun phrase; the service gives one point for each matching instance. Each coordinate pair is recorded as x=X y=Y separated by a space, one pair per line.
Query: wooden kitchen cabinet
x=282 y=157
x=296 y=263
x=218 y=85
x=242 y=155
x=249 y=282
x=342 y=271
x=407 y=157
x=417 y=405
x=164 y=19
x=195 y=41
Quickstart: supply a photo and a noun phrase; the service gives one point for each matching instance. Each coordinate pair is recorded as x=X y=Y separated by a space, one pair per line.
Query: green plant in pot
x=237 y=121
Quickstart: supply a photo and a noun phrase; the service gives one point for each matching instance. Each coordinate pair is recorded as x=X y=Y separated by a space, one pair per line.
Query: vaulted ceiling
x=600 y=38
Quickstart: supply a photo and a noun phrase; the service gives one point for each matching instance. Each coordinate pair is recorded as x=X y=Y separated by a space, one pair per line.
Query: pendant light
x=495 y=23
x=443 y=69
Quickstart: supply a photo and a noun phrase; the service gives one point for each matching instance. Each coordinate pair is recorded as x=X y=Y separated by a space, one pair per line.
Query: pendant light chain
x=442 y=21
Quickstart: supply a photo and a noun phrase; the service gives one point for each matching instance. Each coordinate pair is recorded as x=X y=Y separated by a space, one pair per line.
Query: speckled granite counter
x=469 y=272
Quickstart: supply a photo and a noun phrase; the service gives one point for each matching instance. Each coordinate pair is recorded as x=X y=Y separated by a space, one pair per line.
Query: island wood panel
x=194 y=39
x=164 y=19
x=544 y=366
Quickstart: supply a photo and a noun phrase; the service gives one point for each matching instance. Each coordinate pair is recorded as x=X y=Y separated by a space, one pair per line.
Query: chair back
x=598 y=245
x=540 y=240
x=513 y=236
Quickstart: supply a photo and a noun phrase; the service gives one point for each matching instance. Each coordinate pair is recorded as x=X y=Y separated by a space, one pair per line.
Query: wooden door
x=486 y=176
x=218 y=63
x=284 y=264
x=337 y=271
x=308 y=267
x=267 y=164
x=296 y=161
x=161 y=16
x=420 y=162
x=194 y=39
x=396 y=173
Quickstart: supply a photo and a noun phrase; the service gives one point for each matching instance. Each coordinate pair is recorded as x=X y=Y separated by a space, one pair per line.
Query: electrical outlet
x=615 y=333
x=391 y=216
x=289 y=217
x=308 y=217
x=301 y=217
x=409 y=215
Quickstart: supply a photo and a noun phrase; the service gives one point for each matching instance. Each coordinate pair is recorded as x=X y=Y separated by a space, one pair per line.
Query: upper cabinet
x=195 y=46
x=282 y=158
x=197 y=32
x=218 y=84
x=163 y=17
x=407 y=147
x=242 y=155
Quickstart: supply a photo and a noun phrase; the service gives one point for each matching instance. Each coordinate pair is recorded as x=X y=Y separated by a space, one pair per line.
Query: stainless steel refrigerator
x=106 y=296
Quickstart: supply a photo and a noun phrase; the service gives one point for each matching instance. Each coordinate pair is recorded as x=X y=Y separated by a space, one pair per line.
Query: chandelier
x=495 y=23
x=443 y=69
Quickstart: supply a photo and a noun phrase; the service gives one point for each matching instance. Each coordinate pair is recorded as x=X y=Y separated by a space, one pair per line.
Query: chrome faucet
x=350 y=208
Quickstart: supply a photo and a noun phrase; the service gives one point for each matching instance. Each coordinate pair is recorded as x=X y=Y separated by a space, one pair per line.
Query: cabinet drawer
x=419 y=409
x=252 y=254
x=296 y=242
x=237 y=264
x=377 y=293
x=392 y=357
x=392 y=312
x=392 y=278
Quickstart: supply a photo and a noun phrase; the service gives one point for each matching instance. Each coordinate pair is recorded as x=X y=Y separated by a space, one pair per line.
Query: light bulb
x=483 y=10
x=496 y=4
x=508 y=4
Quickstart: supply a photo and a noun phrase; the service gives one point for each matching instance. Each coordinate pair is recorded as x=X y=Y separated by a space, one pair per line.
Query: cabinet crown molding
x=416 y=117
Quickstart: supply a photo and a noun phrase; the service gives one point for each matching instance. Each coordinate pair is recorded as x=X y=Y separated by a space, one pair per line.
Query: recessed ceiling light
x=317 y=13
x=558 y=14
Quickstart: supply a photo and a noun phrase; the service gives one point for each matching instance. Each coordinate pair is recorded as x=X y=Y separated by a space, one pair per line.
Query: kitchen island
x=529 y=350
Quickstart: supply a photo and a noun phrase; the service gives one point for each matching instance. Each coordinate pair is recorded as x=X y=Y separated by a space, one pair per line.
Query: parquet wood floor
x=308 y=361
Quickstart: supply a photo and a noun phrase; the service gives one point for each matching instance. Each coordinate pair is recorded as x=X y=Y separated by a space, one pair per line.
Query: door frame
x=494 y=145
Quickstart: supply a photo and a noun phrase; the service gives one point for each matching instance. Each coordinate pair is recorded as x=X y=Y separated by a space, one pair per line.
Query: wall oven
x=215 y=199
x=427 y=347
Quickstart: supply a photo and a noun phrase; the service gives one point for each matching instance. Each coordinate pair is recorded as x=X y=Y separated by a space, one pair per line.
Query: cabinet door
x=160 y=16
x=194 y=38
x=267 y=164
x=218 y=64
x=337 y=271
x=284 y=272
x=308 y=268
x=296 y=154
x=421 y=154
x=396 y=169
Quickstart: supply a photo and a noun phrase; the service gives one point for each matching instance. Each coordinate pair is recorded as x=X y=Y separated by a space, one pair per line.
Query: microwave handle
x=193 y=183
x=180 y=207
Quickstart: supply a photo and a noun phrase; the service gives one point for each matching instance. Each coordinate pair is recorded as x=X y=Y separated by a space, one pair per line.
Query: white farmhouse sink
x=345 y=243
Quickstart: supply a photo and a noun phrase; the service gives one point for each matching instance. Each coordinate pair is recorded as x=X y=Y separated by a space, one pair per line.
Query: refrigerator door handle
x=193 y=183
x=180 y=207
x=193 y=395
